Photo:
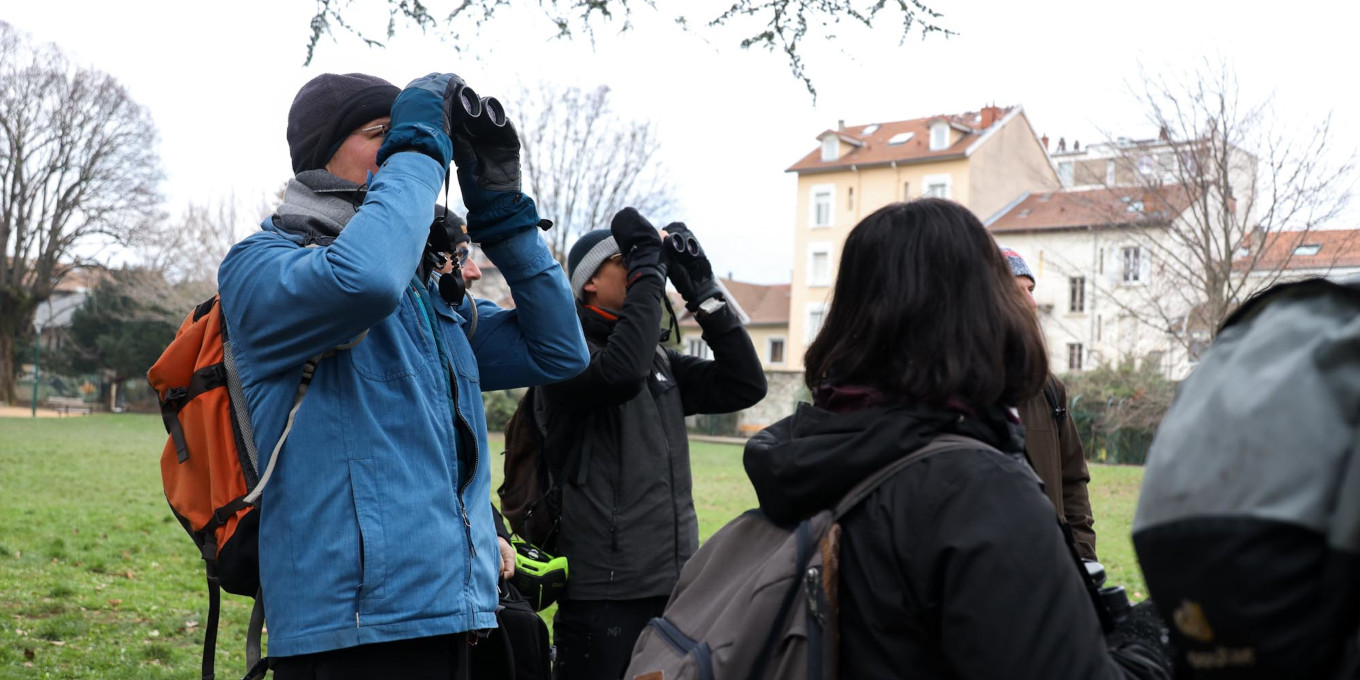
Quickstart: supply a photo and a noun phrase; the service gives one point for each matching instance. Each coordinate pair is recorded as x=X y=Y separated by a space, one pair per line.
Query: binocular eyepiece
x=478 y=116
x=683 y=244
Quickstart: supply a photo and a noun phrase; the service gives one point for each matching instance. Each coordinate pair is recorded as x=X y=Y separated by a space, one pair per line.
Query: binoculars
x=683 y=244
x=477 y=116
x=1113 y=598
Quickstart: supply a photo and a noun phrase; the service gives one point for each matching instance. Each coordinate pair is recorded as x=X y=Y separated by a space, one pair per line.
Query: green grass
x=98 y=581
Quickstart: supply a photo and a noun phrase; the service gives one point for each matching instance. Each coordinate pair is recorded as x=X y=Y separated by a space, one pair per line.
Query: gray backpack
x=759 y=600
x=1248 y=525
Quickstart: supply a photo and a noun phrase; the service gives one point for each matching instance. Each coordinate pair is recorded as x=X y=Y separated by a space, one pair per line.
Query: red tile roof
x=876 y=150
x=1087 y=208
x=767 y=305
x=1336 y=248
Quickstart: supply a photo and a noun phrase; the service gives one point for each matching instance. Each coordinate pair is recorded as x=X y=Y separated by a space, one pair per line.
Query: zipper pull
x=472 y=547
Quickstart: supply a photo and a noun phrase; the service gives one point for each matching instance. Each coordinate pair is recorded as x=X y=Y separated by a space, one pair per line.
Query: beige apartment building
x=985 y=160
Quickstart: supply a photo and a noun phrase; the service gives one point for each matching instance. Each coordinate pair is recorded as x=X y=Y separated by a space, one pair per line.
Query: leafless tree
x=1217 y=202
x=78 y=165
x=781 y=25
x=189 y=248
x=583 y=162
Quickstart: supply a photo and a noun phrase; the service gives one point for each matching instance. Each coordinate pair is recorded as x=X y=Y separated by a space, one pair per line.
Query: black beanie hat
x=327 y=109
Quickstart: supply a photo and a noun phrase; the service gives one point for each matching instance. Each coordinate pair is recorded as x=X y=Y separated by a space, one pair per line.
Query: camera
x=1114 y=599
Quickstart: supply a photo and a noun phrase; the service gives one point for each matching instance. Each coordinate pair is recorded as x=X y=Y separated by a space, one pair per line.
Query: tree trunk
x=16 y=320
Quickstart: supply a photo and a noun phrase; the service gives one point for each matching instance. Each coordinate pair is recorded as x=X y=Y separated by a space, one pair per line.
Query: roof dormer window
x=831 y=148
x=939 y=135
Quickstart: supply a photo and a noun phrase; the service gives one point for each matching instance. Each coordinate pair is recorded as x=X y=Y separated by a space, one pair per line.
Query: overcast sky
x=218 y=76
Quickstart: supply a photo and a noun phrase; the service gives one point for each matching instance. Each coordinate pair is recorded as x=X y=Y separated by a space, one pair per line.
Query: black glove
x=486 y=150
x=639 y=243
x=692 y=274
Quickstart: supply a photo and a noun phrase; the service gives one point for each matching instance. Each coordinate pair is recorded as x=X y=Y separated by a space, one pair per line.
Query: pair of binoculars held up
x=478 y=116
x=683 y=244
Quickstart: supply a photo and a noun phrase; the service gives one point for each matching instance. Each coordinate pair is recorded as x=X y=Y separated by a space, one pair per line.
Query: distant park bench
x=68 y=405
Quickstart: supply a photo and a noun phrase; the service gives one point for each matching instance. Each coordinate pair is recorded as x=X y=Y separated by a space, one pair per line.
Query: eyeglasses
x=379 y=130
x=461 y=254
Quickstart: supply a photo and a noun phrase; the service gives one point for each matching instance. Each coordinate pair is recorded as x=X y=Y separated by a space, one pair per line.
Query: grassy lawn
x=97 y=580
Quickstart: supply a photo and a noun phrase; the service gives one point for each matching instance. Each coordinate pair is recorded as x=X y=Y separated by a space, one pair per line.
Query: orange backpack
x=210 y=468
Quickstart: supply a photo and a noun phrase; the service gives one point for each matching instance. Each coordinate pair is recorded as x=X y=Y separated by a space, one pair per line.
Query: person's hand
x=486 y=150
x=507 y=558
x=691 y=273
x=639 y=242
x=418 y=120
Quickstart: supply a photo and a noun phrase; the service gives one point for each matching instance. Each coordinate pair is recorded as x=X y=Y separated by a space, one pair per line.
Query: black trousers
x=594 y=638
x=431 y=658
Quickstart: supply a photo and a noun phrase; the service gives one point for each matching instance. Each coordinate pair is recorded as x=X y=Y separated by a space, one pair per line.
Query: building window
x=1076 y=294
x=1109 y=173
x=850 y=198
x=816 y=314
x=1065 y=173
x=823 y=198
x=696 y=347
x=1132 y=260
x=938 y=186
x=1074 y=352
x=1144 y=165
x=819 y=264
x=831 y=148
x=774 y=351
x=939 y=136
x=1308 y=249
x=906 y=191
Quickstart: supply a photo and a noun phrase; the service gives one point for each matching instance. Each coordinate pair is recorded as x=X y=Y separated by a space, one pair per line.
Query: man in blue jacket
x=377 y=546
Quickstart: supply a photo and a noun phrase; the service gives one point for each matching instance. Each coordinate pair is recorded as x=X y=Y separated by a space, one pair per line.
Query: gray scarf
x=317 y=205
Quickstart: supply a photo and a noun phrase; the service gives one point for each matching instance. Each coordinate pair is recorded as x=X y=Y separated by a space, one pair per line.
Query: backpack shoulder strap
x=1055 y=404
x=942 y=443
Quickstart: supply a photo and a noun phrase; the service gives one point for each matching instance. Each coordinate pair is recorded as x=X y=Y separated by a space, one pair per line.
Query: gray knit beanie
x=586 y=256
x=1017 y=263
x=328 y=108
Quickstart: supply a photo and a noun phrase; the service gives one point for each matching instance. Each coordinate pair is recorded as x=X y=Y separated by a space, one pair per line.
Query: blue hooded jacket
x=377 y=523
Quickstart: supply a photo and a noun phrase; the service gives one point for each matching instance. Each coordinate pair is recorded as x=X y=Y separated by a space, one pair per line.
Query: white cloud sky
x=218 y=78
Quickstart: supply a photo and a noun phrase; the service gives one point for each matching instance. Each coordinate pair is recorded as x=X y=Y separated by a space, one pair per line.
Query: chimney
x=990 y=114
x=1062 y=144
x=1076 y=146
x=1044 y=139
x=1164 y=134
x=840 y=125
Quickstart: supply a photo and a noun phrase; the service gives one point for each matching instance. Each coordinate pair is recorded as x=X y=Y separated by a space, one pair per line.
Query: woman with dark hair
x=955 y=567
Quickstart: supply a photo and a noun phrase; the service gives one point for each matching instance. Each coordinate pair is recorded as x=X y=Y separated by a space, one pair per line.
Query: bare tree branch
x=77 y=163
x=582 y=162
x=1215 y=199
x=784 y=25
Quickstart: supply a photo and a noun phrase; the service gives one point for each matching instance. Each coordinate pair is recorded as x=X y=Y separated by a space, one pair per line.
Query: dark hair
x=925 y=309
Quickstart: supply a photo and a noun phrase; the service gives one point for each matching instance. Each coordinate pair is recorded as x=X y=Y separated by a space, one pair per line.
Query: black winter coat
x=628 y=523
x=954 y=568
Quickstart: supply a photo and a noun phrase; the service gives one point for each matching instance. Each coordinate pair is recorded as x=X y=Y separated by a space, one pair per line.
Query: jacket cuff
x=719 y=322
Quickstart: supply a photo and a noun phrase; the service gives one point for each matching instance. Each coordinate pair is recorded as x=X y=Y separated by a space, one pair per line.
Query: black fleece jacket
x=628 y=521
x=955 y=567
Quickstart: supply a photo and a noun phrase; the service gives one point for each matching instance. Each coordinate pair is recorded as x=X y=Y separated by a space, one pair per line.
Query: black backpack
x=517 y=648
x=531 y=490
x=1248 y=523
